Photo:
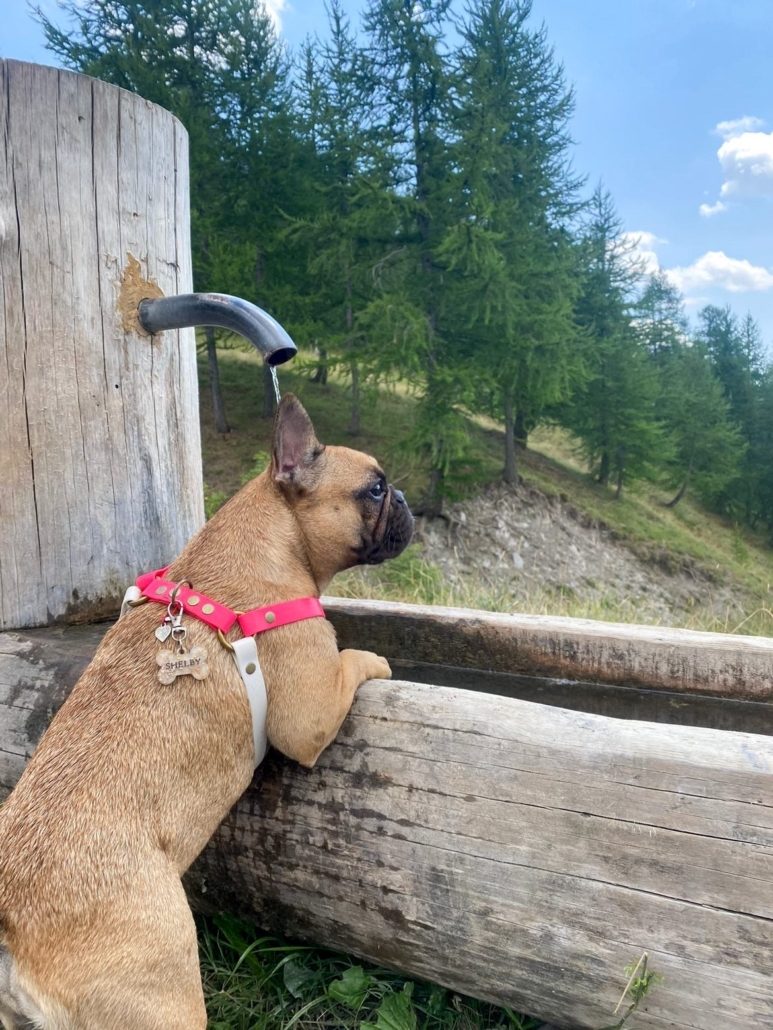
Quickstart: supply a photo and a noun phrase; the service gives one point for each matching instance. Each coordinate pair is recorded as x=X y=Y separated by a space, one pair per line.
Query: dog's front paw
x=359 y=666
x=377 y=667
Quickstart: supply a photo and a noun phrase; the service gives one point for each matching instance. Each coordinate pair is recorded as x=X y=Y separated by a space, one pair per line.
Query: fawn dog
x=133 y=776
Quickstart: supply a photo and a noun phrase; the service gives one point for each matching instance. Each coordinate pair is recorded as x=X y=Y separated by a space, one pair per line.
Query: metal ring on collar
x=176 y=587
x=226 y=643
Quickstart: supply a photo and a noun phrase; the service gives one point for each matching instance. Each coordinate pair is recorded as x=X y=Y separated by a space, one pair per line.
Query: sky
x=674 y=114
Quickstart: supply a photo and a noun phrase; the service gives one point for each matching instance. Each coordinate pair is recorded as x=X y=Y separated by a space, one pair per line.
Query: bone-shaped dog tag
x=172 y=664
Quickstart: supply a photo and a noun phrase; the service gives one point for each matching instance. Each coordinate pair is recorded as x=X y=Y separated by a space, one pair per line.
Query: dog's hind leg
x=140 y=969
x=173 y=1000
x=20 y=1006
x=134 y=966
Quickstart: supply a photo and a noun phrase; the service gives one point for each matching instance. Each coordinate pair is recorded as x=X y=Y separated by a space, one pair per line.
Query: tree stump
x=100 y=454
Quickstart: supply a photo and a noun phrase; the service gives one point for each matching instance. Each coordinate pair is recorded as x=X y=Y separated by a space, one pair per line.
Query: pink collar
x=153 y=586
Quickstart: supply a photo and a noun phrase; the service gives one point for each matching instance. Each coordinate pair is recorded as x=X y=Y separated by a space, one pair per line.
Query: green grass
x=683 y=535
x=255 y=982
x=411 y=578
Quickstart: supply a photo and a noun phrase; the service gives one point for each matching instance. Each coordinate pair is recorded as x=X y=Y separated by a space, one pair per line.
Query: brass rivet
x=193 y=601
x=160 y=590
x=270 y=617
x=249 y=669
x=207 y=609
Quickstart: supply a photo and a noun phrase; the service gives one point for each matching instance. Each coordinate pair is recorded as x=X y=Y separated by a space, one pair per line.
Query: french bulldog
x=133 y=775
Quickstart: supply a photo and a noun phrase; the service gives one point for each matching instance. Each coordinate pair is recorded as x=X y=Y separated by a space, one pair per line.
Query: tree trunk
x=678 y=496
x=432 y=506
x=269 y=395
x=93 y=195
x=218 y=407
x=320 y=372
x=510 y=474
x=354 y=421
x=604 y=469
x=620 y=471
x=520 y=432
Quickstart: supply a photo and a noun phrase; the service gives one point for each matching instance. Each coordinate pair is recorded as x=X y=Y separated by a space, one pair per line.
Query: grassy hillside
x=686 y=538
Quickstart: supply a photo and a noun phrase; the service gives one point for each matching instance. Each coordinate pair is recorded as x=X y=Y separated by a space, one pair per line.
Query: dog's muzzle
x=393 y=530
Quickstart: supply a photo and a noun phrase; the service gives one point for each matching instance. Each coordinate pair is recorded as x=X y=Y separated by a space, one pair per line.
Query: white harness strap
x=246 y=658
x=133 y=593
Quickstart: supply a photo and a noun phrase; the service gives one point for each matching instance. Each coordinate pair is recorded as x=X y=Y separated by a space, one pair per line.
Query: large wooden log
x=100 y=459
x=523 y=854
x=519 y=852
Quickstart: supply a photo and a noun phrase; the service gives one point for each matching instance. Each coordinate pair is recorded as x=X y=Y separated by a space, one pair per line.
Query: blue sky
x=674 y=112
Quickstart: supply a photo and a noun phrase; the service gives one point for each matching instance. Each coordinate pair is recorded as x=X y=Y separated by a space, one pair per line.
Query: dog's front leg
x=355 y=668
x=328 y=694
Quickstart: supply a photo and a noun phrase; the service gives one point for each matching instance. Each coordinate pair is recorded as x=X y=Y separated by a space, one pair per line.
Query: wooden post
x=100 y=455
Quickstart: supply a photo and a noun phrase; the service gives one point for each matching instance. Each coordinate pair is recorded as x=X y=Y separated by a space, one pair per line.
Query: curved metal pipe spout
x=220 y=309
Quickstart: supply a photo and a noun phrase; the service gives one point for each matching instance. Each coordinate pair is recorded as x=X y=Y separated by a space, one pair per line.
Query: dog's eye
x=377 y=491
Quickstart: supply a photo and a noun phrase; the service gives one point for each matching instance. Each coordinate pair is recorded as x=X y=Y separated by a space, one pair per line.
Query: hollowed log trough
x=552 y=800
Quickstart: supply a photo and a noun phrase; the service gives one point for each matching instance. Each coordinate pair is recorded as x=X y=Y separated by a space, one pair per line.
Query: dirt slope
x=522 y=543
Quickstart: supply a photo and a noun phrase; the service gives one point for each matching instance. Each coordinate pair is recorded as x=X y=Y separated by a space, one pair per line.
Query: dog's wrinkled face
x=349 y=513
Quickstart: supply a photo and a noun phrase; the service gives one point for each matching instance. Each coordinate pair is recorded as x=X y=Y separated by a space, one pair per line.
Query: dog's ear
x=294 y=445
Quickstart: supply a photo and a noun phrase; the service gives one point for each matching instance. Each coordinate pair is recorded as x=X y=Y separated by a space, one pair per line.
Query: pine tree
x=509 y=258
x=354 y=217
x=733 y=356
x=762 y=451
x=613 y=407
x=735 y=352
x=661 y=323
x=708 y=447
x=412 y=97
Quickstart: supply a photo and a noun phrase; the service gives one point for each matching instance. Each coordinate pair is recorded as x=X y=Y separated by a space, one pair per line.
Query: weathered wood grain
x=653 y=657
x=100 y=457
x=523 y=854
x=518 y=852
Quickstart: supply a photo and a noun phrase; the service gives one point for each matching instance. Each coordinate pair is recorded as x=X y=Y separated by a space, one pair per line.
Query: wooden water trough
x=526 y=809
x=532 y=805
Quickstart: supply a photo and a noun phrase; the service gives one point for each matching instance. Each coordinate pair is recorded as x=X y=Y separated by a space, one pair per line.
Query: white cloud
x=707 y=210
x=716 y=270
x=736 y=126
x=747 y=164
x=274 y=10
x=746 y=159
x=642 y=246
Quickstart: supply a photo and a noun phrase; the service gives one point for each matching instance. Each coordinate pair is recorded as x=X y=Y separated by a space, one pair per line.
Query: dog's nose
x=399 y=496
